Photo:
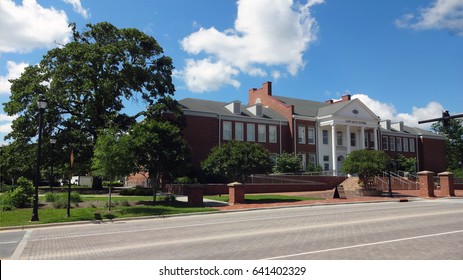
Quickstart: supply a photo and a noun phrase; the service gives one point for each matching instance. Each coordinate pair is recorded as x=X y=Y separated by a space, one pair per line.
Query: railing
x=397 y=181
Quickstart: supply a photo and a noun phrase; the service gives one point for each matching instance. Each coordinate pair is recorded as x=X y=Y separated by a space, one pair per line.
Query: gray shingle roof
x=217 y=107
x=310 y=108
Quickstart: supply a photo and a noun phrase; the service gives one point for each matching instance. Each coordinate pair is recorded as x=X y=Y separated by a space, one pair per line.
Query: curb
x=103 y=221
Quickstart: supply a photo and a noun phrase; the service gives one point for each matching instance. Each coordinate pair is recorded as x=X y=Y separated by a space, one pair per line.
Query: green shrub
x=50 y=197
x=136 y=191
x=19 y=197
x=185 y=180
x=114 y=184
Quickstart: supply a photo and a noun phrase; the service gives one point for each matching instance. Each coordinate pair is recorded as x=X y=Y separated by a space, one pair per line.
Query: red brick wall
x=431 y=155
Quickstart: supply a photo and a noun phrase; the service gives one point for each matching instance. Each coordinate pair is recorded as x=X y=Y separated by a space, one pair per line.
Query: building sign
x=356 y=122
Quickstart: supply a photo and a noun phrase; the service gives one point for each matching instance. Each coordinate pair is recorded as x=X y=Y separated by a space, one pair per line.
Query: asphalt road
x=418 y=230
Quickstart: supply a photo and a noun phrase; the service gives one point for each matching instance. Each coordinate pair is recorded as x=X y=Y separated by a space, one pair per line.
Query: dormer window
x=234 y=107
x=256 y=110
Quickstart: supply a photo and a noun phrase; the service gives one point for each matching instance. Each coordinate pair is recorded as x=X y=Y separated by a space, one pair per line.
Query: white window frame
x=353 y=139
x=412 y=145
x=311 y=135
x=339 y=138
x=398 y=144
x=262 y=133
x=301 y=134
x=251 y=132
x=227 y=130
x=239 y=133
x=325 y=137
x=385 y=143
x=272 y=134
x=405 y=143
x=391 y=143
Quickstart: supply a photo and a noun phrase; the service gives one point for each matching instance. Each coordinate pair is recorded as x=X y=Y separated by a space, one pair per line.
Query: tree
x=236 y=160
x=85 y=83
x=112 y=157
x=366 y=163
x=158 y=149
x=454 y=144
x=287 y=163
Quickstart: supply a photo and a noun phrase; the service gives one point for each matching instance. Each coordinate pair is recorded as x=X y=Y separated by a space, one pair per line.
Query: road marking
x=364 y=245
x=22 y=244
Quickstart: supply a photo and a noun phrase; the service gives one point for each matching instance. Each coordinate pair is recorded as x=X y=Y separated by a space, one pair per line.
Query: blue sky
x=403 y=59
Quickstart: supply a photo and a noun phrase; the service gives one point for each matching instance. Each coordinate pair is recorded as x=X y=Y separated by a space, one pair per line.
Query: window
x=385 y=143
x=227 y=131
x=311 y=160
x=398 y=144
x=325 y=137
x=365 y=135
x=392 y=143
x=311 y=132
x=251 y=132
x=262 y=133
x=326 y=167
x=412 y=145
x=301 y=134
x=272 y=134
x=405 y=141
x=326 y=158
x=339 y=138
x=372 y=139
x=353 y=141
x=239 y=136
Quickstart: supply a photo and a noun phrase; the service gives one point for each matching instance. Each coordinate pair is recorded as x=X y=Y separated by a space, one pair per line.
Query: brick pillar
x=195 y=195
x=236 y=193
x=446 y=184
x=426 y=183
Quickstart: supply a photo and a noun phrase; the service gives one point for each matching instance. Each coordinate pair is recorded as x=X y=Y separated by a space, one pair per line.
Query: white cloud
x=265 y=33
x=77 y=6
x=5 y=123
x=389 y=112
x=442 y=14
x=204 y=75
x=14 y=71
x=29 y=26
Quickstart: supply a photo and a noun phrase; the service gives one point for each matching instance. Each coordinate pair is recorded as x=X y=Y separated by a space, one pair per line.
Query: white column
x=333 y=148
x=348 y=139
x=375 y=131
x=362 y=138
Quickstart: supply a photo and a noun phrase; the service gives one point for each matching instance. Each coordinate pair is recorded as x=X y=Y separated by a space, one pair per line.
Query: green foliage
x=366 y=163
x=112 y=157
x=19 y=197
x=60 y=200
x=406 y=164
x=236 y=160
x=287 y=163
x=136 y=191
x=454 y=144
x=86 y=84
x=158 y=149
x=185 y=180
x=114 y=184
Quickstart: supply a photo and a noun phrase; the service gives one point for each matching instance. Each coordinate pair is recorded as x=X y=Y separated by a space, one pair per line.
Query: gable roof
x=303 y=107
x=216 y=107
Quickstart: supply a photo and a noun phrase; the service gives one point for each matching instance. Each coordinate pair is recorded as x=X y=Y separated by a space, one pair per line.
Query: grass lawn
x=263 y=198
x=95 y=207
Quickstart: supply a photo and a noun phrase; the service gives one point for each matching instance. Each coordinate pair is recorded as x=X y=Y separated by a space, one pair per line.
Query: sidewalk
x=398 y=196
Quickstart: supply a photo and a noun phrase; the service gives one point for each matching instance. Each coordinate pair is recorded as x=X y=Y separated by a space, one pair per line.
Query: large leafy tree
x=366 y=163
x=454 y=144
x=236 y=160
x=86 y=83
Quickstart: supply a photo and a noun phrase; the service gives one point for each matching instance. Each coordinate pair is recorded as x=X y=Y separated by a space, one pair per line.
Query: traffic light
x=446 y=119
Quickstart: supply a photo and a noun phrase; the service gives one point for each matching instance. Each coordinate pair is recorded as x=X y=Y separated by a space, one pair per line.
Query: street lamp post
x=52 y=177
x=41 y=104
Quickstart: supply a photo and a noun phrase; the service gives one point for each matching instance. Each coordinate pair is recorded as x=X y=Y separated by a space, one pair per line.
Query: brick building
x=322 y=133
